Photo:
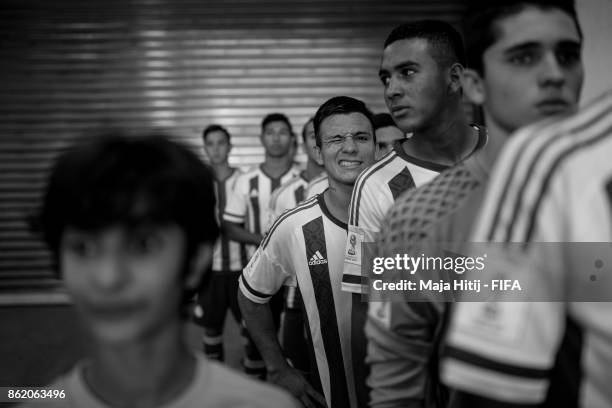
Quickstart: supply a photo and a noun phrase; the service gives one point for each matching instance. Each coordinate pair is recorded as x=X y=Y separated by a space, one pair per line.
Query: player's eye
x=384 y=79
x=523 y=58
x=82 y=246
x=407 y=72
x=145 y=243
x=568 y=56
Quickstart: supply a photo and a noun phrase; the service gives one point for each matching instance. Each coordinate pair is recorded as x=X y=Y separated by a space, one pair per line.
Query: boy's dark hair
x=311 y=119
x=382 y=120
x=215 y=128
x=445 y=42
x=276 y=117
x=340 y=105
x=116 y=179
x=480 y=23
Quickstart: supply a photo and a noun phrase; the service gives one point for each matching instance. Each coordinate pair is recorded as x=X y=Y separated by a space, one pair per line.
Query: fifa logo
x=353 y=242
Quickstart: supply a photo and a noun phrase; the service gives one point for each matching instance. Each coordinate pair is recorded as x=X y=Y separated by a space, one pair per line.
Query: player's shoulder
x=294 y=218
x=380 y=171
x=418 y=210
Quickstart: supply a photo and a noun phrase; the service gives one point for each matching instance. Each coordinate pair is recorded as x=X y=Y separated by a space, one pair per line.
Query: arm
x=258 y=318
x=237 y=232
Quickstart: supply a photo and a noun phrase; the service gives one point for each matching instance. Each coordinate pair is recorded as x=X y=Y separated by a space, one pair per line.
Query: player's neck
x=338 y=199
x=277 y=166
x=313 y=169
x=497 y=136
x=149 y=373
x=222 y=170
x=447 y=142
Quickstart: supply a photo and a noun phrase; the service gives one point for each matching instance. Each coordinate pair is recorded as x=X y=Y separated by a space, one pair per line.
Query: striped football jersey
x=228 y=255
x=304 y=249
x=287 y=196
x=249 y=202
x=375 y=191
x=552 y=184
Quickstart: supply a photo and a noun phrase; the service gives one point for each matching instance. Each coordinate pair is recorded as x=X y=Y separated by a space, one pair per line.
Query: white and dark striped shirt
x=304 y=249
x=551 y=193
x=228 y=255
x=249 y=202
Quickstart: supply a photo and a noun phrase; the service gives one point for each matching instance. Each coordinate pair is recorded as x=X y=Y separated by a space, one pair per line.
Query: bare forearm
x=260 y=325
x=238 y=233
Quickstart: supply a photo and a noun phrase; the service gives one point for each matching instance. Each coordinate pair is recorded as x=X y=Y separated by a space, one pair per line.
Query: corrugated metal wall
x=70 y=67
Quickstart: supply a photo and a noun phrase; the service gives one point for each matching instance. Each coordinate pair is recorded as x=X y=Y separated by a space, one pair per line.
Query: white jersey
x=249 y=202
x=287 y=196
x=552 y=184
x=304 y=249
x=375 y=191
x=228 y=255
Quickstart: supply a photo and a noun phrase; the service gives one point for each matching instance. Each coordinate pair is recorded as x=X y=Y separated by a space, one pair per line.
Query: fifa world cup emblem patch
x=353 y=242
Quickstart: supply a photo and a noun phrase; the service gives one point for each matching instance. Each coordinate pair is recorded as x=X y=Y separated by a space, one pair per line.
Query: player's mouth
x=553 y=106
x=399 y=110
x=115 y=311
x=349 y=164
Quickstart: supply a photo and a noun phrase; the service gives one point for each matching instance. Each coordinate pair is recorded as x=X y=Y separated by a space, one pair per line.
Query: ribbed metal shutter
x=70 y=67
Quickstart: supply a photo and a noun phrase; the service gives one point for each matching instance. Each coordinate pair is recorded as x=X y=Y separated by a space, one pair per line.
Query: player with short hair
x=229 y=257
x=247 y=215
x=304 y=249
x=421 y=69
x=538 y=47
x=131 y=225
x=293 y=192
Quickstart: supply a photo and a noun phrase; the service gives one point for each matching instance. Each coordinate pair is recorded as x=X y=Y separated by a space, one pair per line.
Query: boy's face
x=533 y=70
x=126 y=283
x=415 y=87
x=347 y=146
x=277 y=139
x=217 y=147
x=385 y=137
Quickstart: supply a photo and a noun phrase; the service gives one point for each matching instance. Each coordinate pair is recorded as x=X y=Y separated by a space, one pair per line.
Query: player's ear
x=318 y=156
x=455 y=73
x=473 y=86
x=200 y=264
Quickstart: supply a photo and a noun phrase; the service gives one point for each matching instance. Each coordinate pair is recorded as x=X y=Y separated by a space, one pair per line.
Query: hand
x=294 y=382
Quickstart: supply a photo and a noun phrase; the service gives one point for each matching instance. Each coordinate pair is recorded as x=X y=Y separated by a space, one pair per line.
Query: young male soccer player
x=304 y=249
x=293 y=192
x=387 y=133
x=551 y=191
x=250 y=201
x=131 y=224
x=421 y=70
x=247 y=212
x=523 y=65
x=229 y=257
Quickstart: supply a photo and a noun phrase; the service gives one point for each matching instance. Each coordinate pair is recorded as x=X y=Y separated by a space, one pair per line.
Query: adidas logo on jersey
x=317 y=259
